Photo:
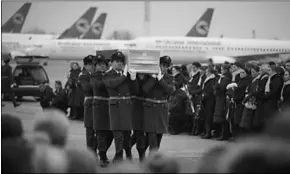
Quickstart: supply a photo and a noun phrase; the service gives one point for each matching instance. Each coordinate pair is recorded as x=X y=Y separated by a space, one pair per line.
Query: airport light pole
x=147 y=18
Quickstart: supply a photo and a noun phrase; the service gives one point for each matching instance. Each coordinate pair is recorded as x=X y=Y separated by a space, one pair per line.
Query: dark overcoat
x=156 y=114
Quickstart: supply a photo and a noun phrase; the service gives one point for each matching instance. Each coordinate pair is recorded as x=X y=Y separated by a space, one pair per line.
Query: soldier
x=7 y=81
x=119 y=84
x=157 y=89
x=84 y=82
x=101 y=118
x=138 y=119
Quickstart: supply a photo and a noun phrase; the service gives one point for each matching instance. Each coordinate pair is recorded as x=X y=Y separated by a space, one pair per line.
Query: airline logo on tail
x=16 y=21
x=18 y=18
x=97 y=28
x=202 y=27
x=82 y=25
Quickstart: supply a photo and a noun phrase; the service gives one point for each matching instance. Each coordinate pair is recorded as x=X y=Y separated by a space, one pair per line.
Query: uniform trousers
x=104 y=141
x=122 y=141
x=154 y=140
x=91 y=139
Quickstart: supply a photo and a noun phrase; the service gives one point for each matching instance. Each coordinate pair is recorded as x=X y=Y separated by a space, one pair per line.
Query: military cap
x=88 y=59
x=58 y=82
x=118 y=55
x=100 y=58
x=165 y=60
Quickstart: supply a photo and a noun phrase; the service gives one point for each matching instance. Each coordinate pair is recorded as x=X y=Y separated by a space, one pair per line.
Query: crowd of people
x=228 y=100
x=46 y=150
x=222 y=101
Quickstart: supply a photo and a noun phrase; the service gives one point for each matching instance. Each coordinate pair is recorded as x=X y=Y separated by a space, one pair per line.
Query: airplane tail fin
x=15 y=23
x=80 y=26
x=96 y=30
x=201 y=28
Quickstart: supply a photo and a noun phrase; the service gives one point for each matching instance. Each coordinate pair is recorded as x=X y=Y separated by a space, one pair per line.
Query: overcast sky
x=172 y=18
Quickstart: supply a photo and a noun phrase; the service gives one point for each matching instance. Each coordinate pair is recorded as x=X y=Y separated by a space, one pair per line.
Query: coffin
x=143 y=61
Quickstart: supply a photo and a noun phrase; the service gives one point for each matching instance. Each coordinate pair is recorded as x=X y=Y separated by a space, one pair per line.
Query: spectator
x=11 y=127
x=55 y=124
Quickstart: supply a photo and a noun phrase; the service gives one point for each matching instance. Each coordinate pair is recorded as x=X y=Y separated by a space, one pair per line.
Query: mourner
x=237 y=93
x=60 y=100
x=208 y=101
x=8 y=82
x=198 y=120
x=220 y=89
x=193 y=91
x=285 y=92
x=101 y=118
x=157 y=89
x=250 y=103
x=120 y=85
x=75 y=94
x=84 y=82
x=272 y=92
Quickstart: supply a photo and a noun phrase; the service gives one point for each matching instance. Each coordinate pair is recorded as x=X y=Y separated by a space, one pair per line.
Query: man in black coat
x=60 y=100
x=7 y=81
x=101 y=116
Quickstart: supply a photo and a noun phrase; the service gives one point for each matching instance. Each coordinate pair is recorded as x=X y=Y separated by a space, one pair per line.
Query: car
x=28 y=75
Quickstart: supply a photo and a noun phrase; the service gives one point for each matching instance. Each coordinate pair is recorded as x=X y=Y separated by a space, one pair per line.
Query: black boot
x=104 y=161
x=141 y=153
x=225 y=132
x=128 y=153
x=208 y=131
x=118 y=157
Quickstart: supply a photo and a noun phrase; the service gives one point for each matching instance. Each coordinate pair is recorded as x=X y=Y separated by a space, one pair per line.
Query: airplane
x=201 y=28
x=203 y=22
x=81 y=26
x=19 y=43
x=96 y=29
x=16 y=21
x=182 y=50
x=76 y=30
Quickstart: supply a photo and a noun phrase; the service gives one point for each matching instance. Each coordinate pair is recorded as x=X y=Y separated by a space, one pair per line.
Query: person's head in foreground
x=159 y=163
x=256 y=155
x=49 y=159
x=55 y=124
x=81 y=160
x=11 y=127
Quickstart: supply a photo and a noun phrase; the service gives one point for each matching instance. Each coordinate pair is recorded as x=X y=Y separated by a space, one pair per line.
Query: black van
x=28 y=75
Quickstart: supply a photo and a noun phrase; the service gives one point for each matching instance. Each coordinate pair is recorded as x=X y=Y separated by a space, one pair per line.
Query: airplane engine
x=222 y=59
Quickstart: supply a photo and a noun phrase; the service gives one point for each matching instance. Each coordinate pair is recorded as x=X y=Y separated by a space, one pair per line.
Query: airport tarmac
x=184 y=147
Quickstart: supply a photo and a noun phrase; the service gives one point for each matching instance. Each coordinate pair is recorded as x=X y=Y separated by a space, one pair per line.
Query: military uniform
x=138 y=119
x=7 y=81
x=156 y=105
x=120 y=106
x=84 y=82
x=101 y=117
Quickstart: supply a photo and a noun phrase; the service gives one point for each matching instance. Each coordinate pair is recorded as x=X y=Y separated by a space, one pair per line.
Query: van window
x=38 y=74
